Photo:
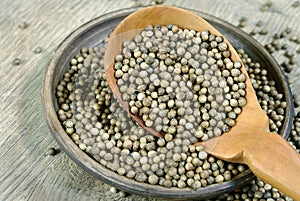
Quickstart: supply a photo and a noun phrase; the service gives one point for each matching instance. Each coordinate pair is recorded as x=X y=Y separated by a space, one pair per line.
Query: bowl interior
x=92 y=34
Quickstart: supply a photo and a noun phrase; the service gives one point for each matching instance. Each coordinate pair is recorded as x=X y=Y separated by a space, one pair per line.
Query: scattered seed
x=259 y=23
x=51 y=151
x=38 y=50
x=123 y=194
x=296 y=4
x=16 y=62
x=253 y=33
x=264 y=8
x=242 y=22
x=263 y=32
x=288 y=30
x=113 y=190
x=156 y=2
x=23 y=25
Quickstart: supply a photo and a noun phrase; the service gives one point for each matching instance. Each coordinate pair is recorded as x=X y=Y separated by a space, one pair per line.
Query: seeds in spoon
x=189 y=76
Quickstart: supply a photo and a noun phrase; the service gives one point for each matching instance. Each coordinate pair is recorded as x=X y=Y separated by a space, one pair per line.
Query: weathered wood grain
x=26 y=173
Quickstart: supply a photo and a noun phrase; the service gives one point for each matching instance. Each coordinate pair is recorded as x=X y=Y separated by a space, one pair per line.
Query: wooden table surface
x=26 y=173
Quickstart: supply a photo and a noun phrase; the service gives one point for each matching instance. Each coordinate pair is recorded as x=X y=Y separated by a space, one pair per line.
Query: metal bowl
x=92 y=34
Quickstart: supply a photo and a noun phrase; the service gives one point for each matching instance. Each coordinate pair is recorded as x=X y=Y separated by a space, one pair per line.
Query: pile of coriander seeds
x=181 y=82
x=94 y=120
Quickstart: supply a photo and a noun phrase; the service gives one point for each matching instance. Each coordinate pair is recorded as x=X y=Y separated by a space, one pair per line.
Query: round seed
x=153 y=179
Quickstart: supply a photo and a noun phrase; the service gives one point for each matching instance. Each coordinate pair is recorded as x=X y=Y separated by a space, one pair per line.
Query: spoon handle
x=273 y=159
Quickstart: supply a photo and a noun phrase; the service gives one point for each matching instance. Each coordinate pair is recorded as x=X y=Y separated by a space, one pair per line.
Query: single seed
x=23 y=25
x=51 y=151
x=153 y=179
x=16 y=62
x=38 y=50
x=263 y=32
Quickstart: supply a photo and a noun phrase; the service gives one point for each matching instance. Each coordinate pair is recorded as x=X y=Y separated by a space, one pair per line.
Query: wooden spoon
x=268 y=155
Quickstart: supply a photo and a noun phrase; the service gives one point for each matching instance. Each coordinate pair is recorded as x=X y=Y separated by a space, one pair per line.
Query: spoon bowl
x=249 y=141
x=162 y=15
